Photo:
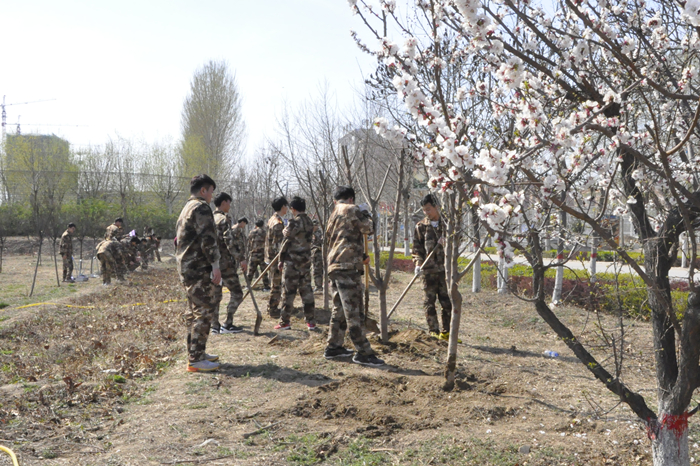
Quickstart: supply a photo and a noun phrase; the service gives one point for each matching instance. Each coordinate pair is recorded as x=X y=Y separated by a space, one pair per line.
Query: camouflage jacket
x=317 y=242
x=274 y=237
x=299 y=234
x=256 y=243
x=345 y=230
x=111 y=246
x=114 y=232
x=425 y=239
x=197 y=251
x=146 y=246
x=229 y=246
x=240 y=242
x=129 y=251
x=66 y=246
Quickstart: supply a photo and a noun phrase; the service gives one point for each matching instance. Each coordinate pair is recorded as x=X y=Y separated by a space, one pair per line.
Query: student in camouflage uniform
x=156 y=248
x=295 y=264
x=273 y=241
x=346 y=258
x=430 y=234
x=111 y=260
x=256 y=248
x=130 y=251
x=145 y=249
x=197 y=255
x=232 y=249
x=65 y=248
x=116 y=230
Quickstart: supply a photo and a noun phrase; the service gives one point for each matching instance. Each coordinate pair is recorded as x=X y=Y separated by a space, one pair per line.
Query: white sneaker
x=211 y=357
x=202 y=366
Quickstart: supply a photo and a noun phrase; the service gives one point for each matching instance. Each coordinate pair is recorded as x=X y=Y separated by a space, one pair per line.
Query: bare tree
x=212 y=123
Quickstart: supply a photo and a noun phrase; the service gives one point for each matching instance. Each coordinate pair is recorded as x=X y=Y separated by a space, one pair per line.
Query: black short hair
x=343 y=193
x=159 y=238
x=119 y=220
x=71 y=225
x=279 y=202
x=134 y=239
x=221 y=198
x=428 y=199
x=201 y=181
x=298 y=204
x=242 y=219
x=259 y=223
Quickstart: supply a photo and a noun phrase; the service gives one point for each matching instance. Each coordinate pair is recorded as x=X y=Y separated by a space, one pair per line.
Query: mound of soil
x=382 y=404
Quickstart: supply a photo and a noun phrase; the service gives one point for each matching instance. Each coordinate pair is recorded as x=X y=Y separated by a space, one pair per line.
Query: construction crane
x=19 y=128
x=4 y=113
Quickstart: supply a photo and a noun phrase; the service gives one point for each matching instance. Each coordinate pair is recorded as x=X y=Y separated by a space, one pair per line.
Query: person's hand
x=244 y=266
x=418 y=270
x=441 y=241
x=280 y=266
x=366 y=261
x=216 y=276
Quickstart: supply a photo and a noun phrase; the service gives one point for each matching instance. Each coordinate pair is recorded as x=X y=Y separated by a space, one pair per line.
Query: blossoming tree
x=575 y=100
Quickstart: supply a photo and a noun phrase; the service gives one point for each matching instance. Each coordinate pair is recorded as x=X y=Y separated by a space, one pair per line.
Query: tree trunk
x=476 y=273
x=2 y=247
x=451 y=367
x=55 y=263
x=559 y=279
x=594 y=257
x=36 y=267
x=406 y=227
x=502 y=276
x=684 y=251
x=669 y=444
x=383 y=320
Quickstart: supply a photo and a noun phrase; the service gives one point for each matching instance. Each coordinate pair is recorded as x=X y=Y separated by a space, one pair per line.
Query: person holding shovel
x=256 y=248
x=346 y=259
x=232 y=254
x=429 y=234
x=273 y=242
x=295 y=264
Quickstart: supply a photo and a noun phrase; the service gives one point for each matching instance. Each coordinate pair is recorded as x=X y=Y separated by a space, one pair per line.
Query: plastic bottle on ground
x=550 y=354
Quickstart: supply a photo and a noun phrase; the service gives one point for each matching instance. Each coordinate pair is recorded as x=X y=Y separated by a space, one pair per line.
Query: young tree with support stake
x=597 y=95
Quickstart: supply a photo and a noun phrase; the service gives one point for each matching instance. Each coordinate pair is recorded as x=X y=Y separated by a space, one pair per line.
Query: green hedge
x=608 y=294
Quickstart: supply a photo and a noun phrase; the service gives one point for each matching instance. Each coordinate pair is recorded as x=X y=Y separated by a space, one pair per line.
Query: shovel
x=259 y=317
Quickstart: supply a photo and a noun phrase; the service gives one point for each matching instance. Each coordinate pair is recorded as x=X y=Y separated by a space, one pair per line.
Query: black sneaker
x=370 y=360
x=266 y=290
x=332 y=353
x=231 y=329
x=215 y=331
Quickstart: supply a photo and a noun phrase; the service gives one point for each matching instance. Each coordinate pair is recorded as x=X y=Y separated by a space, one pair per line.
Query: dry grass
x=318 y=411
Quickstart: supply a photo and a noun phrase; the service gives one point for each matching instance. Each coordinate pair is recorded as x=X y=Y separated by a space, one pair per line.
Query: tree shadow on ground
x=274 y=372
x=512 y=351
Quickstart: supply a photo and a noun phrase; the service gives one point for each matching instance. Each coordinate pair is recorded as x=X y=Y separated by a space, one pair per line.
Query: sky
x=124 y=68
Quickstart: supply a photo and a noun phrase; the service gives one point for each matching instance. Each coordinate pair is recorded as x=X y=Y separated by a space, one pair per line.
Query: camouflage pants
x=275 y=292
x=297 y=277
x=144 y=260
x=120 y=265
x=67 y=267
x=435 y=286
x=157 y=253
x=107 y=266
x=253 y=265
x=347 y=311
x=202 y=302
x=317 y=259
x=233 y=284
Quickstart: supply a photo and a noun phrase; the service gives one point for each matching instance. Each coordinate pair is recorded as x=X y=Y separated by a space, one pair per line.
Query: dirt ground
x=277 y=401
